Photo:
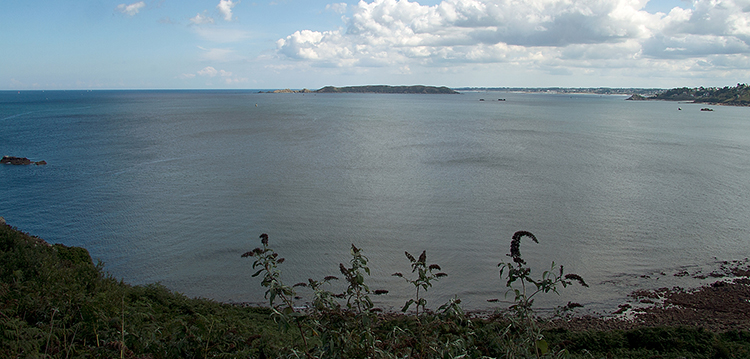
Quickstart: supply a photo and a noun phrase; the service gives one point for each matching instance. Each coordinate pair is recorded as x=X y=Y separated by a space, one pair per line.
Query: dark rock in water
x=10 y=160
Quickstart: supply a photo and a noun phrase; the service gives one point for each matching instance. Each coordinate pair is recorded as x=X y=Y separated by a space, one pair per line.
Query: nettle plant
x=517 y=272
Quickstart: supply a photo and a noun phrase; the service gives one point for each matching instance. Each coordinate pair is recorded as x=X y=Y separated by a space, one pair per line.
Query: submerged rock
x=10 y=160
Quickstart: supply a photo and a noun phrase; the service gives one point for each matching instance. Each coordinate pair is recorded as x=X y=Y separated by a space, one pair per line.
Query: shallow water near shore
x=173 y=186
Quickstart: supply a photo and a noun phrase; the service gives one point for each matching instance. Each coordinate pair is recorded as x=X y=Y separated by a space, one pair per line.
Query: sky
x=274 y=44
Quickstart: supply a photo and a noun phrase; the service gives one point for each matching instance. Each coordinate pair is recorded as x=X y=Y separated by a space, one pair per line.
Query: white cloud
x=556 y=36
x=131 y=9
x=201 y=19
x=338 y=8
x=208 y=71
x=225 y=8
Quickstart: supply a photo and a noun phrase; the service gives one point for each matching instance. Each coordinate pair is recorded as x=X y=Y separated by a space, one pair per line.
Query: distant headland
x=414 y=89
x=735 y=96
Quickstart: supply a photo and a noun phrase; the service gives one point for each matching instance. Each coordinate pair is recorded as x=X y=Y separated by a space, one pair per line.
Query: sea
x=174 y=186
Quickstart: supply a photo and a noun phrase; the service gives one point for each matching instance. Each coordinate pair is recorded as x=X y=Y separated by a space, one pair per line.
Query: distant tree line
x=738 y=95
x=416 y=89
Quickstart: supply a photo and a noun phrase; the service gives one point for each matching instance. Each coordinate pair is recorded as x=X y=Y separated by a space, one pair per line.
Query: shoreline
x=720 y=306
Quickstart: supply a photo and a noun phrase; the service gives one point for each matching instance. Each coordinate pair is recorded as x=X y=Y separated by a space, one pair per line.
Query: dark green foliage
x=54 y=302
x=737 y=95
x=672 y=342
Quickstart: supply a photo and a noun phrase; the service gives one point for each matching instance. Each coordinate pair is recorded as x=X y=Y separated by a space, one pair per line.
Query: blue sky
x=197 y=44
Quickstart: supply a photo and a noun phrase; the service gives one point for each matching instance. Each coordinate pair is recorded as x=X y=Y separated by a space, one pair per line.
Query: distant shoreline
x=413 y=89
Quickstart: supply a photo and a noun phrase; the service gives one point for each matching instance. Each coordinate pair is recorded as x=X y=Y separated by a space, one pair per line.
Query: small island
x=414 y=89
x=734 y=96
x=20 y=161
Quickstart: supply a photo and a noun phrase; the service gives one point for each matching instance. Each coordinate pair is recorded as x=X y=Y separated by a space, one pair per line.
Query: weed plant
x=56 y=303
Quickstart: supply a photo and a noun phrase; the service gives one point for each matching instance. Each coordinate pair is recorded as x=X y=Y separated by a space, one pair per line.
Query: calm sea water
x=173 y=186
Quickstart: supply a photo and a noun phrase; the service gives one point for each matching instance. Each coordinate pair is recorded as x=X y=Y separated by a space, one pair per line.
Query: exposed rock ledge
x=10 y=160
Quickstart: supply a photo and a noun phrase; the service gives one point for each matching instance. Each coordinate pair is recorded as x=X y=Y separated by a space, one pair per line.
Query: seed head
x=330 y=277
x=440 y=275
x=515 y=246
x=423 y=257
x=434 y=267
x=264 y=239
x=576 y=278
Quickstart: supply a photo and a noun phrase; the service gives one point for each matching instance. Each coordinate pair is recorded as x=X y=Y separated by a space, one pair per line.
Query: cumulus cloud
x=225 y=8
x=131 y=9
x=201 y=18
x=544 y=33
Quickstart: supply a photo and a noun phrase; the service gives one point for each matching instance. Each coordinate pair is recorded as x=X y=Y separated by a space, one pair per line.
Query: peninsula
x=735 y=96
x=414 y=89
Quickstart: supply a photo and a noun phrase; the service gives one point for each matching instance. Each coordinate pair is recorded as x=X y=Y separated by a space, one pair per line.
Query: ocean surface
x=173 y=186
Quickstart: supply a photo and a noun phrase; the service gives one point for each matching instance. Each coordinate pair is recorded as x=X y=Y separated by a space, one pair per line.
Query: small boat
x=707 y=109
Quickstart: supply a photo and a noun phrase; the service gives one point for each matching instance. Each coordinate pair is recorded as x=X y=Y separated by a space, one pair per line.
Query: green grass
x=56 y=303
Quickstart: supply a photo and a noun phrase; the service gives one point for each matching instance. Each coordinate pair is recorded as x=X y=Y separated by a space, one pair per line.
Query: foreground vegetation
x=56 y=303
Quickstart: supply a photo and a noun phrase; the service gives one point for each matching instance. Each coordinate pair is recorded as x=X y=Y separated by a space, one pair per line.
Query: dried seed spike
x=300 y=284
x=342 y=269
x=330 y=277
x=397 y=274
x=576 y=278
x=423 y=257
x=411 y=257
x=434 y=267
x=264 y=239
x=354 y=249
x=515 y=245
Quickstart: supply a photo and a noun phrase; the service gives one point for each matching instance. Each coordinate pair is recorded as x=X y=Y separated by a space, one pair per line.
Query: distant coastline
x=732 y=96
x=414 y=89
x=570 y=90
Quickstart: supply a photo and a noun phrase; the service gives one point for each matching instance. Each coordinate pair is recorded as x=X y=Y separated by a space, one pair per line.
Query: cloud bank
x=541 y=33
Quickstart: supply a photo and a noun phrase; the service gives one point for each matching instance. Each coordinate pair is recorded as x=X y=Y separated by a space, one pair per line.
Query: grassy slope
x=54 y=302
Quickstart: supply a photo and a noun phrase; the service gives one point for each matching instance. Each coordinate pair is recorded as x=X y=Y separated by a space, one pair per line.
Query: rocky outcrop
x=636 y=97
x=10 y=160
